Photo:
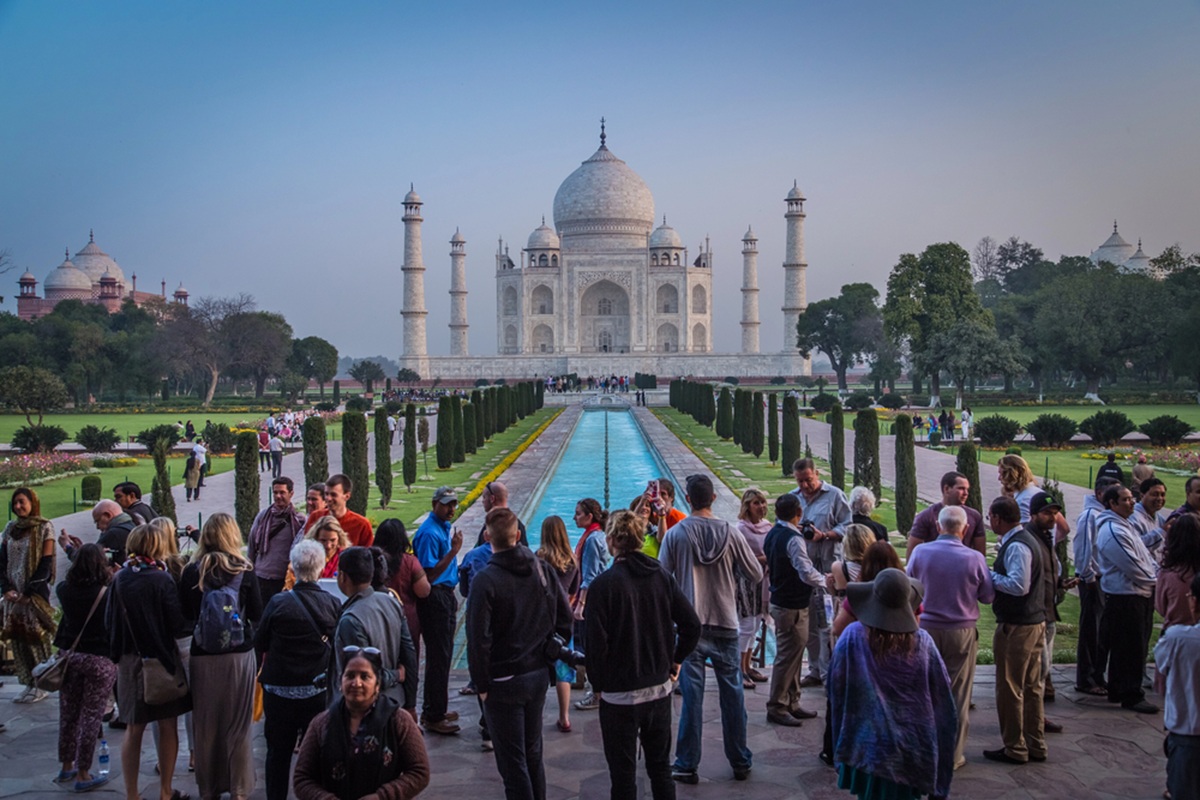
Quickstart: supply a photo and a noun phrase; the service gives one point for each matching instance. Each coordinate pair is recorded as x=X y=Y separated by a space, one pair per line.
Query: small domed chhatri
x=68 y=282
x=543 y=238
x=665 y=236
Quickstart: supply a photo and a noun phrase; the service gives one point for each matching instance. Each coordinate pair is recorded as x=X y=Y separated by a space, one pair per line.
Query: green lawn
x=58 y=496
x=1189 y=413
x=129 y=424
x=463 y=477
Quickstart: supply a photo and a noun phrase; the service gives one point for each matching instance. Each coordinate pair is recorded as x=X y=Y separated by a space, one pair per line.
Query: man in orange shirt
x=666 y=492
x=357 y=527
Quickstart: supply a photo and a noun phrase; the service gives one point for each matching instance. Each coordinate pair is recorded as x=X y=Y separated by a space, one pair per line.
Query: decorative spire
x=411 y=188
x=602 y=135
x=543 y=219
x=67 y=253
x=1114 y=226
x=664 y=219
x=91 y=235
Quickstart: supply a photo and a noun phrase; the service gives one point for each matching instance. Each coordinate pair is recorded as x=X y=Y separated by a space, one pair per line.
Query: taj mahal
x=602 y=291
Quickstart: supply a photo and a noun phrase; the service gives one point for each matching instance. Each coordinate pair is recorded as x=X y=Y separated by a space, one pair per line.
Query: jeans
x=1091 y=656
x=1183 y=766
x=284 y=721
x=818 y=645
x=621 y=727
x=719 y=646
x=514 y=716
x=276 y=463
x=437 y=613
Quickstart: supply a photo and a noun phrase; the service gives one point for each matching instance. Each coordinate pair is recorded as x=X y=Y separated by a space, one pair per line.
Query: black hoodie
x=634 y=609
x=511 y=612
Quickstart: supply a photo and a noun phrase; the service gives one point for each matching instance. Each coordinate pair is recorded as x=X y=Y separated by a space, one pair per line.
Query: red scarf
x=588 y=531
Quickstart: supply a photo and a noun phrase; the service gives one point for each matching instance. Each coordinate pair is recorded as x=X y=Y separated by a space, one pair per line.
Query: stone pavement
x=1104 y=753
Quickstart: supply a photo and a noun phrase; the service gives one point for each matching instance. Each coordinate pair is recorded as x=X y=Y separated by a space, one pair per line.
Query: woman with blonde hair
x=223 y=663
x=752 y=596
x=328 y=532
x=555 y=550
x=1016 y=478
x=143 y=618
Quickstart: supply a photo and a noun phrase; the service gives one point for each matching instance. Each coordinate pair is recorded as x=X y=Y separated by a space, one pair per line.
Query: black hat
x=1040 y=502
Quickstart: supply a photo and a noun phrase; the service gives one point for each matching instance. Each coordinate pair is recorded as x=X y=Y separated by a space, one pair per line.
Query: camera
x=808 y=530
x=557 y=649
x=321 y=681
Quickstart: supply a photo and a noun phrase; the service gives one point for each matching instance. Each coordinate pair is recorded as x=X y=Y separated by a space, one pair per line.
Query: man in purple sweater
x=957 y=580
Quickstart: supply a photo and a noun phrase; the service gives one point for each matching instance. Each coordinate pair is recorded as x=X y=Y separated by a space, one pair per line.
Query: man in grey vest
x=1021 y=578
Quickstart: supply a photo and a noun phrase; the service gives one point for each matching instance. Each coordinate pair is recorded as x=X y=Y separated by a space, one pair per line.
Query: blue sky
x=265 y=147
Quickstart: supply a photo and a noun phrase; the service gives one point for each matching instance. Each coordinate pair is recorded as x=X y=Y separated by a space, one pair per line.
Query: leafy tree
x=316 y=452
x=724 y=427
x=866 y=451
x=31 y=390
x=837 y=447
x=410 y=446
x=756 y=424
x=315 y=359
x=970 y=349
x=773 y=427
x=406 y=375
x=1015 y=254
x=968 y=464
x=257 y=345
x=906 y=474
x=367 y=372
x=1173 y=260
x=445 y=434
x=197 y=336
x=383 y=458
x=790 y=446
x=927 y=294
x=246 y=481
x=985 y=260
x=160 y=486
x=354 y=459
x=844 y=328
x=292 y=386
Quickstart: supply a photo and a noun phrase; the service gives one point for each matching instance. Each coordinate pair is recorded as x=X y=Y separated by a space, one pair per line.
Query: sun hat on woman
x=888 y=602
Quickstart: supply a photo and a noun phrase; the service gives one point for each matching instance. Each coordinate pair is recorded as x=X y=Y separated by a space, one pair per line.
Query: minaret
x=795 y=296
x=749 y=292
x=414 y=279
x=458 y=294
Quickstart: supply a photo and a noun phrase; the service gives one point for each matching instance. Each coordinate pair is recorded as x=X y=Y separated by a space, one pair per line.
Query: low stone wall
x=698 y=365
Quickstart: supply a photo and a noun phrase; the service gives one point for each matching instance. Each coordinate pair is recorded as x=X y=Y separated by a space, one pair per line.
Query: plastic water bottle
x=103 y=758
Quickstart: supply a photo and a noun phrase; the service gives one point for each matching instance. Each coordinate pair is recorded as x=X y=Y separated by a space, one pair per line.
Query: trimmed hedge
x=1166 y=430
x=1052 y=430
x=996 y=431
x=1107 y=427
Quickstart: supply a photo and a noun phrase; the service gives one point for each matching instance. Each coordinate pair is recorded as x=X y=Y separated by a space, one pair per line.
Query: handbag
x=49 y=675
x=159 y=686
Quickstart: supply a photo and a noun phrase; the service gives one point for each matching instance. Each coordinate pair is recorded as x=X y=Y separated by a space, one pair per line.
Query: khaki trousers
x=791 y=632
x=958 y=648
x=1020 y=683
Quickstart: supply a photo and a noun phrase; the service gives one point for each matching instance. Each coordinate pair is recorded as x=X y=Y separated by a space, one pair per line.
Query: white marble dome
x=66 y=277
x=543 y=238
x=603 y=195
x=1139 y=261
x=458 y=238
x=94 y=262
x=666 y=236
x=1115 y=250
x=795 y=193
x=412 y=196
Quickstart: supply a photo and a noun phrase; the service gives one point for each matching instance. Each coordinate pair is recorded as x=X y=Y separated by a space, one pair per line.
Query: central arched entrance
x=604 y=325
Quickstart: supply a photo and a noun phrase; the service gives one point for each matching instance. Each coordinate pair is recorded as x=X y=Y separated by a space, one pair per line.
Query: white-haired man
x=957 y=580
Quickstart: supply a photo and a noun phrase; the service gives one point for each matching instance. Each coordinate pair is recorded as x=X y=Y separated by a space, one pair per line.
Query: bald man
x=114 y=524
x=495 y=495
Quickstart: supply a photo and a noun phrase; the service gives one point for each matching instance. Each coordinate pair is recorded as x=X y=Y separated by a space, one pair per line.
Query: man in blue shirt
x=436 y=546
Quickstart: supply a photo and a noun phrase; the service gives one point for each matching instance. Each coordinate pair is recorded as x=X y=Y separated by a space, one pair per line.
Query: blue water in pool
x=580 y=472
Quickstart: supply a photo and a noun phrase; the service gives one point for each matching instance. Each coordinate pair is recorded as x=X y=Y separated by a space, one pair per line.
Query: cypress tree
x=725 y=414
x=738 y=418
x=747 y=421
x=316 y=452
x=445 y=434
x=968 y=464
x=337 y=394
x=773 y=427
x=541 y=394
x=710 y=406
x=160 y=486
x=790 y=445
x=837 y=447
x=354 y=459
x=906 y=475
x=866 y=451
x=383 y=457
x=460 y=433
x=756 y=424
x=480 y=414
x=423 y=440
x=512 y=405
x=410 y=446
x=246 y=483
x=468 y=416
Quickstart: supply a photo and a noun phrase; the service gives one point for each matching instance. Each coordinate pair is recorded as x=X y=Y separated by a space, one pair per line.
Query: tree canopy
x=845 y=328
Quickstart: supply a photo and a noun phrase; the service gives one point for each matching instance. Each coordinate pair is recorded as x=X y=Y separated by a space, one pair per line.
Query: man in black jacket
x=634 y=610
x=513 y=609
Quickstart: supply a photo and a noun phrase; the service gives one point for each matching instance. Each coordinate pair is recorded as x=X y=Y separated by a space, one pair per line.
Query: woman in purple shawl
x=894 y=721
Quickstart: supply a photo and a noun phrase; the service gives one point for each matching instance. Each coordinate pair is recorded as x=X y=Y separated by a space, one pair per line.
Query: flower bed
x=33 y=468
x=1184 y=460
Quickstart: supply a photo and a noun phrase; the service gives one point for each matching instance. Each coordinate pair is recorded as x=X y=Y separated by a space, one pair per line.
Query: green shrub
x=149 y=437
x=112 y=463
x=482 y=382
x=246 y=481
x=393 y=407
x=326 y=406
x=968 y=464
x=316 y=454
x=935 y=438
x=906 y=474
x=866 y=451
x=90 y=489
x=823 y=402
x=1107 y=427
x=219 y=438
x=1052 y=430
x=354 y=460
x=732 y=381
x=1166 y=430
x=95 y=439
x=996 y=431
x=779 y=380
x=790 y=446
x=858 y=401
x=499 y=382
x=383 y=459
x=359 y=403
x=724 y=427
x=892 y=401
x=1013 y=451
x=837 y=446
x=161 y=498
x=38 y=438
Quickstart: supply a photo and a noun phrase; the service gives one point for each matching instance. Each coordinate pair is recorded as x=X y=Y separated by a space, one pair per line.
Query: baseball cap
x=445 y=495
x=1041 y=501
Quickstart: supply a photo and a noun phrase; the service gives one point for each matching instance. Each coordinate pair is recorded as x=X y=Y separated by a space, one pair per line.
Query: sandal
x=748 y=684
x=756 y=676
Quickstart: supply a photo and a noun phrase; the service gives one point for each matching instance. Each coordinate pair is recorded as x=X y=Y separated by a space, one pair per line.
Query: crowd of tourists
x=318 y=623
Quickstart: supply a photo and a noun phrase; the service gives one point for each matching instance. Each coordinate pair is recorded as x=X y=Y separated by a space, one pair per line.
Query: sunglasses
x=350 y=651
